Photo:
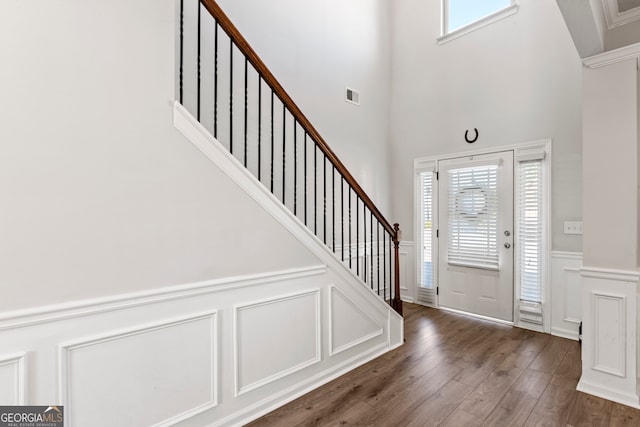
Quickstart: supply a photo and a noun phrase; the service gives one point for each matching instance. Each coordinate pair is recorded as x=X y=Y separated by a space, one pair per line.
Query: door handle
x=507 y=245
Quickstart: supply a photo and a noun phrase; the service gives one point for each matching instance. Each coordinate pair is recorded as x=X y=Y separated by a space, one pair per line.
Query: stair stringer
x=255 y=402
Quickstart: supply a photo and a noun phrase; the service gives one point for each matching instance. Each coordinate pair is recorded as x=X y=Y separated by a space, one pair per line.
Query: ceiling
x=600 y=25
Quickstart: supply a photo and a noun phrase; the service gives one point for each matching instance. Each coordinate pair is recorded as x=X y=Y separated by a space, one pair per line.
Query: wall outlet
x=573 y=227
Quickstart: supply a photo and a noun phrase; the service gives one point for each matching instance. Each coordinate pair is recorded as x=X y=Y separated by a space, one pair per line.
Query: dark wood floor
x=457 y=371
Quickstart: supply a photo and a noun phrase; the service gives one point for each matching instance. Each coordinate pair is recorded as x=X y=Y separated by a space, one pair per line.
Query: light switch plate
x=573 y=227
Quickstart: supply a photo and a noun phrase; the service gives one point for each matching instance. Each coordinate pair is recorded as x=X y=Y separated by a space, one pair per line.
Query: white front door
x=475 y=212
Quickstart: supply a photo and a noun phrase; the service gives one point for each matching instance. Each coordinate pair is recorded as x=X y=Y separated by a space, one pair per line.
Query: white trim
x=64 y=368
x=577 y=256
x=240 y=390
x=610 y=274
x=344 y=347
x=614 y=18
x=477 y=316
x=621 y=369
x=613 y=56
x=608 y=393
x=565 y=333
x=476 y=25
x=52 y=313
x=18 y=360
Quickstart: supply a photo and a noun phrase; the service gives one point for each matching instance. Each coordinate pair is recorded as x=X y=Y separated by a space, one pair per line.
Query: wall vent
x=353 y=96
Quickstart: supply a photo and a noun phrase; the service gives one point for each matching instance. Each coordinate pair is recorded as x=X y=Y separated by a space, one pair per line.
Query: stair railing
x=233 y=94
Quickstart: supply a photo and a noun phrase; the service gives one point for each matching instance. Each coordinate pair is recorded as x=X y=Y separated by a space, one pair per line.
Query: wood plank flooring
x=458 y=371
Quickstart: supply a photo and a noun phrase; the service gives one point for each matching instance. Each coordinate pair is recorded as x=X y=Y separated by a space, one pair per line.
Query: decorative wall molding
x=13 y=365
x=566 y=294
x=59 y=312
x=70 y=360
x=280 y=328
x=613 y=56
x=610 y=336
x=376 y=330
x=610 y=274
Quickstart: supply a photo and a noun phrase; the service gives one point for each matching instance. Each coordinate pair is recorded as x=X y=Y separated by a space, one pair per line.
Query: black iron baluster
x=272 y=142
x=295 y=167
x=181 y=49
x=215 y=80
x=324 y=199
x=315 y=189
x=333 y=208
x=305 y=178
x=350 y=256
x=390 y=268
x=246 y=101
x=384 y=259
x=378 y=255
x=198 y=64
x=364 y=235
x=284 y=152
x=342 y=215
x=371 y=243
x=259 y=127
x=357 y=234
x=231 y=96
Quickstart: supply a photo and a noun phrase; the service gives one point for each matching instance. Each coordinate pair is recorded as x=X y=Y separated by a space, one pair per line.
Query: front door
x=475 y=212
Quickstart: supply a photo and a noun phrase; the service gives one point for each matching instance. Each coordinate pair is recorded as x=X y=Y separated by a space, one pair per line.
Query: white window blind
x=530 y=230
x=473 y=217
x=426 y=276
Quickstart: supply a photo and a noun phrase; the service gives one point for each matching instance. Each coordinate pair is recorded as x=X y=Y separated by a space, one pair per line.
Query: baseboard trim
x=565 y=333
x=609 y=394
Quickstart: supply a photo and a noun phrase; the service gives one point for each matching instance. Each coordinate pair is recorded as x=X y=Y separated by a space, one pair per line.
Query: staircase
x=232 y=94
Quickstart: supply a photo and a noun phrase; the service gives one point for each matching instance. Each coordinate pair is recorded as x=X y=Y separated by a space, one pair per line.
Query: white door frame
x=520 y=150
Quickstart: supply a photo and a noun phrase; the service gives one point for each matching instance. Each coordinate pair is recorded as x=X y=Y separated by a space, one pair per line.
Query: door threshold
x=477 y=316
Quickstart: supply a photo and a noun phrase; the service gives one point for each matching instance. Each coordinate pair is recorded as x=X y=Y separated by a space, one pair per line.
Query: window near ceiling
x=463 y=16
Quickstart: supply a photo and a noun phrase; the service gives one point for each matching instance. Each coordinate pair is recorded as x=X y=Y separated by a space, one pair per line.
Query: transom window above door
x=460 y=17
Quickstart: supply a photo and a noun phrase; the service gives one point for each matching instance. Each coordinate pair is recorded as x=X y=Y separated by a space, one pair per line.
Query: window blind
x=426 y=276
x=530 y=230
x=473 y=216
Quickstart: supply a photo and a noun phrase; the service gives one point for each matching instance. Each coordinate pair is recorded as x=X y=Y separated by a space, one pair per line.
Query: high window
x=462 y=16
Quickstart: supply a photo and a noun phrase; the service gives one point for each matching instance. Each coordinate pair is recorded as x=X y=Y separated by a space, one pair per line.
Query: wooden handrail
x=244 y=47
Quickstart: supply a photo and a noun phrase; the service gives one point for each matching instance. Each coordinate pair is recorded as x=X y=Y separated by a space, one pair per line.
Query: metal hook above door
x=466 y=136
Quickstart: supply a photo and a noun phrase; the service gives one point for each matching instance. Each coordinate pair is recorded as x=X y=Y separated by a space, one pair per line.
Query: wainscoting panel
x=345 y=311
x=407 y=271
x=261 y=326
x=155 y=374
x=12 y=379
x=610 y=327
x=566 y=294
x=609 y=335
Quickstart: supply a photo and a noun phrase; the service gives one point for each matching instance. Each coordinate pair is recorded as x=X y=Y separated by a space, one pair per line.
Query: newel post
x=396 y=303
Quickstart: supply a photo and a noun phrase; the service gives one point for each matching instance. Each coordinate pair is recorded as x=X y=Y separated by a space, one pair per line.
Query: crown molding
x=613 y=56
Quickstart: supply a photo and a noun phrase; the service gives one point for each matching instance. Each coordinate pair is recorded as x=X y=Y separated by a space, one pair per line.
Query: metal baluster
x=364 y=234
x=315 y=189
x=305 y=178
x=231 y=96
x=181 y=49
x=324 y=199
x=198 y=62
x=246 y=101
x=378 y=254
x=215 y=80
x=371 y=243
x=284 y=152
x=350 y=257
x=259 y=128
x=384 y=259
x=272 y=142
x=357 y=235
x=333 y=208
x=295 y=167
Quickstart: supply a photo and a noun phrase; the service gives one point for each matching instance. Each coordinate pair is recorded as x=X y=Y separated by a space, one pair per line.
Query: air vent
x=353 y=96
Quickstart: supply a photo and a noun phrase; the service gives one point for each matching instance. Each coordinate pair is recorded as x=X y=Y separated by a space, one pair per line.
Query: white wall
x=100 y=194
x=316 y=49
x=516 y=80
